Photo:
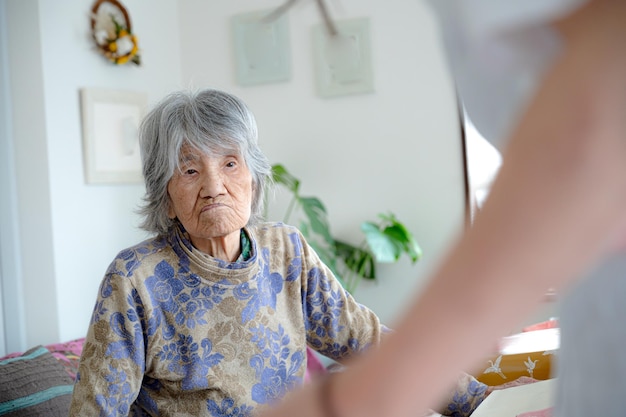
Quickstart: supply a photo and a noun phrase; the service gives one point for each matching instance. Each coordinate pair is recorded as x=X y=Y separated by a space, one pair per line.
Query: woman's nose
x=212 y=185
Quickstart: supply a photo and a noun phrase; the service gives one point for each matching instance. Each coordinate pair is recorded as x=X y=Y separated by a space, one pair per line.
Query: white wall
x=70 y=230
x=397 y=149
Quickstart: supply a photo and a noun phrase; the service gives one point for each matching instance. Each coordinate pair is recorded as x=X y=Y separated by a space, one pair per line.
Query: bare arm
x=557 y=206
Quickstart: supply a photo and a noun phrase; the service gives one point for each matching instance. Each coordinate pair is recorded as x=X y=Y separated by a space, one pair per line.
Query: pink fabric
x=11 y=355
x=548 y=324
x=314 y=366
x=546 y=412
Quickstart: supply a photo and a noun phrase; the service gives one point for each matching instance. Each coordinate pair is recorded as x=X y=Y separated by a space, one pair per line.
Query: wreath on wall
x=111 y=30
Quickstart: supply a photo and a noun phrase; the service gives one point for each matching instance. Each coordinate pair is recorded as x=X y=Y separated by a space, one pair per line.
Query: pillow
x=34 y=384
x=68 y=354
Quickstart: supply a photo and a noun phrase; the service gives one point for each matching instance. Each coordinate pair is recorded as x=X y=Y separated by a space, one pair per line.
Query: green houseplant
x=385 y=240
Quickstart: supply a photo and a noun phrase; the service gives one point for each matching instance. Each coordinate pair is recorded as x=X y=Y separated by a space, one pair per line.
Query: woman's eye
x=189 y=171
x=231 y=164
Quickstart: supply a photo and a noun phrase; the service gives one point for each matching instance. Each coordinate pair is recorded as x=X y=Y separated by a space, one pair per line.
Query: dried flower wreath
x=111 y=30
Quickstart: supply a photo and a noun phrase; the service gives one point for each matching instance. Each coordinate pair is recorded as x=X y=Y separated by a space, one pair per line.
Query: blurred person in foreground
x=550 y=77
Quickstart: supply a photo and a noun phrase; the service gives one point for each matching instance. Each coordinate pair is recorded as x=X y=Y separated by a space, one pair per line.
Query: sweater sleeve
x=337 y=325
x=113 y=359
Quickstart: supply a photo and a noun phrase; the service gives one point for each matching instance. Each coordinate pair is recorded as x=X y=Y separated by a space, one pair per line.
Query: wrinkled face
x=211 y=195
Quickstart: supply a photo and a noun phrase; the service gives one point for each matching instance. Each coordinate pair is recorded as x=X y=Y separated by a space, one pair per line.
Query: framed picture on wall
x=343 y=63
x=110 y=123
x=261 y=47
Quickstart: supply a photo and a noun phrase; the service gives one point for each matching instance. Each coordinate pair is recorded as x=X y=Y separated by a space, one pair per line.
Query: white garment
x=497 y=52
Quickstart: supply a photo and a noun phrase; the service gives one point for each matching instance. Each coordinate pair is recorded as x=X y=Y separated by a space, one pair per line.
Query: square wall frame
x=343 y=62
x=261 y=47
x=110 y=124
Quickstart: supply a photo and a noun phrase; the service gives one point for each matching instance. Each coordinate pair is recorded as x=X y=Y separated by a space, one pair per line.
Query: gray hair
x=210 y=121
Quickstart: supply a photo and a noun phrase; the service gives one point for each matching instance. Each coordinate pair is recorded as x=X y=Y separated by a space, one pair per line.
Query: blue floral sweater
x=176 y=332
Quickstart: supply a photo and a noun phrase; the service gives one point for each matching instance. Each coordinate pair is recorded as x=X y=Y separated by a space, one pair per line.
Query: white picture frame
x=262 y=48
x=110 y=123
x=343 y=63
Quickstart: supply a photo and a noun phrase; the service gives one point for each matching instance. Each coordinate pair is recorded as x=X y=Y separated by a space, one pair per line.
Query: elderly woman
x=213 y=315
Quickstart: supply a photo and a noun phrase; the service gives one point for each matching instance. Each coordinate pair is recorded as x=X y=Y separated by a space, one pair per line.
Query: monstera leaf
x=385 y=241
x=389 y=239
